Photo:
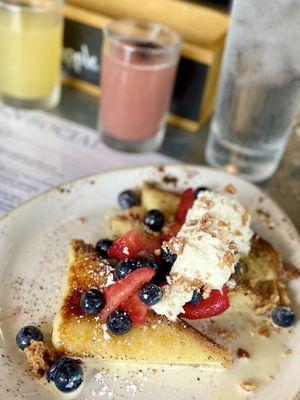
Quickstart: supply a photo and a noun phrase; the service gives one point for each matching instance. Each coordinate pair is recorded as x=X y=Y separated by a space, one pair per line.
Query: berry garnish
x=238 y=268
x=154 y=220
x=125 y=267
x=283 y=316
x=118 y=322
x=102 y=247
x=68 y=376
x=92 y=301
x=132 y=243
x=186 y=202
x=166 y=256
x=50 y=375
x=127 y=198
x=26 y=334
x=196 y=298
x=199 y=190
x=151 y=294
x=170 y=231
x=136 y=309
x=122 y=290
x=215 y=304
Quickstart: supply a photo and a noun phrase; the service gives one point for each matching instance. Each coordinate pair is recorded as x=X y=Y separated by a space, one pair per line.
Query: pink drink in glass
x=137 y=82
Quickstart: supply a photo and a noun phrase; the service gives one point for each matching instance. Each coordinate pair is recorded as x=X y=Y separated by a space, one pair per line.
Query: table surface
x=283 y=187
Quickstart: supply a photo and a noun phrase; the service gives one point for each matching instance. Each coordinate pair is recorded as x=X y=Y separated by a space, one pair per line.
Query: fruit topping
x=122 y=290
x=199 y=190
x=102 y=247
x=154 y=220
x=166 y=256
x=196 y=298
x=50 y=375
x=215 y=304
x=170 y=231
x=118 y=322
x=92 y=301
x=151 y=294
x=127 y=198
x=283 y=316
x=136 y=309
x=26 y=334
x=186 y=202
x=125 y=267
x=132 y=243
x=68 y=376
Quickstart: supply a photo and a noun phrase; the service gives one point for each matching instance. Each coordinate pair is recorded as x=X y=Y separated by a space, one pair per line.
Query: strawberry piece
x=121 y=291
x=216 y=304
x=136 y=309
x=186 y=202
x=132 y=243
x=171 y=231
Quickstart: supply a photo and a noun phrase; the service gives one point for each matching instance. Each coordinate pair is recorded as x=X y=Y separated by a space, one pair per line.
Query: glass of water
x=259 y=91
x=30 y=51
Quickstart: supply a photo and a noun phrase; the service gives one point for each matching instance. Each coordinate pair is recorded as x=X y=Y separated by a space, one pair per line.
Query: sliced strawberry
x=171 y=231
x=186 y=202
x=120 y=291
x=132 y=243
x=136 y=309
x=216 y=304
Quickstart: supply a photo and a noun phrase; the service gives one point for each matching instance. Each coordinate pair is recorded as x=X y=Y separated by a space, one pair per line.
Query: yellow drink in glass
x=30 y=53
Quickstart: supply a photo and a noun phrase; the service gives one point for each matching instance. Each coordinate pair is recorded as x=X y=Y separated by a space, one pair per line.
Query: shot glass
x=139 y=64
x=30 y=52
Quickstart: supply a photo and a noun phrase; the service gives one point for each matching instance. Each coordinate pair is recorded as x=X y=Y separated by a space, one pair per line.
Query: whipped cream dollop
x=215 y=234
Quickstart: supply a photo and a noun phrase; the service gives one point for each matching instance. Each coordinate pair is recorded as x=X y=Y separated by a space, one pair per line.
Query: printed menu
x=39 y=150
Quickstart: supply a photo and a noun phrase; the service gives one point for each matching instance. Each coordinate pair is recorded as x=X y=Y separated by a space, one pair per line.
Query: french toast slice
x=259 y=284
x=159 y=341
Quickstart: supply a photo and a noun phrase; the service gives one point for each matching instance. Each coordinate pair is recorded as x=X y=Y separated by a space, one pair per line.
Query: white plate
x=33 y=250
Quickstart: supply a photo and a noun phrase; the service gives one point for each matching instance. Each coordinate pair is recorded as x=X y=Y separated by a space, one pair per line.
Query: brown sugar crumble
x=242 y=353
x=264 y=330
x=230 y=189
x=39 y=358
x=248 y=386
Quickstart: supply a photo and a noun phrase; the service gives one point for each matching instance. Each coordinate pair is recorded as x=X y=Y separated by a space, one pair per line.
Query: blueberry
x=102 y=247
x=151 y=294
x=196 y=298
x=127 y=199
x=200 y=189
x=68 y=377
x=92 y=301
x=118 y=322
x=283 y=316
x=125 y=267
x=154 y=220
x=238 y=268
x=166 y=256
x=26 y=334
x=50 y=375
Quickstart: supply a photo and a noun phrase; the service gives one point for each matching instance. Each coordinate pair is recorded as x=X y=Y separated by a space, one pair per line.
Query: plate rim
x=143 y=167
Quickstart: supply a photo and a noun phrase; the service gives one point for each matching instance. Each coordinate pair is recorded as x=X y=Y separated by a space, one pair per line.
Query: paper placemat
x=39 y=150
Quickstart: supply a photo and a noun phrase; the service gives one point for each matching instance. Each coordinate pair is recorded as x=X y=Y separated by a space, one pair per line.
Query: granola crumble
x=39 y=358
x=242 y=353
x=248 y=386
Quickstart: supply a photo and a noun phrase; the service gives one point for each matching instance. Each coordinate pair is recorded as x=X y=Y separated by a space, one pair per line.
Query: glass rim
x=29 y=5
x=108 y=32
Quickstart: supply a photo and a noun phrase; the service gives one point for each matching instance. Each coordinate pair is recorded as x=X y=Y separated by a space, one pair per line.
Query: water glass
x=259 y=92
x=30 y=52
x=139 y=64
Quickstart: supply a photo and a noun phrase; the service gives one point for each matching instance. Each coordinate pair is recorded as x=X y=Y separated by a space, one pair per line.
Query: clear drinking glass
x=139 y=64
x=30 y=52
x=259 y=91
